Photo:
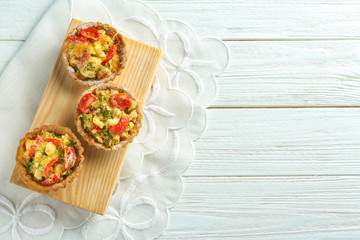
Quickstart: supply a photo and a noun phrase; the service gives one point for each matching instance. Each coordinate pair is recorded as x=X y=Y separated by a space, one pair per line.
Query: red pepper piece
x=86 y=102
x=110 y=54
x=121 y=126
x=90 y=33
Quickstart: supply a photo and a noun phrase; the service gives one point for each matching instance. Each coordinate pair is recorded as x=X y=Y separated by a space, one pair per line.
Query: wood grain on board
x=93 y=189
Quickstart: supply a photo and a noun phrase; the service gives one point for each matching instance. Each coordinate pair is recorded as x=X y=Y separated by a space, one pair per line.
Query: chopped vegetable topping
x=112 y=118
x=49 y=157
x=93 y=54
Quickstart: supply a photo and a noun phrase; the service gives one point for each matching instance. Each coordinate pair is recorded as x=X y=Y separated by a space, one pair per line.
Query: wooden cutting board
x=93 y=188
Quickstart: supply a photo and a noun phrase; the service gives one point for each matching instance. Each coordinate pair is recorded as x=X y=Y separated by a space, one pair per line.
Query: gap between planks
x=280 y=107
x=286 y=39
x=270 y=176
x=248 y=39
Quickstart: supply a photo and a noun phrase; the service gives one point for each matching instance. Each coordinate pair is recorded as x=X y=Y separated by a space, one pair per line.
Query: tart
x=49 y=157
x=108 y=117
x=94 y=53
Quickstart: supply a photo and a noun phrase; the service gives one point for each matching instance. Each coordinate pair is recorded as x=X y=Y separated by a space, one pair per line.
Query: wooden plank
x=269 y=208
x=271 y=142
x=293 y=73
x=226 y=19
x=93 y=189
x=272 y=19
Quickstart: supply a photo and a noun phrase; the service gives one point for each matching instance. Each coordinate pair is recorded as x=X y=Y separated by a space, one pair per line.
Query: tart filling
x=109 y=116
x=49 y=158
x=93 y=53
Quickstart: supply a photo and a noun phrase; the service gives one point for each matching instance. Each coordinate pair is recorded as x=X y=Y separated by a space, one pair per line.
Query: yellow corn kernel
x=50 y=148
x=100 y=139
x=133 y=115
x=117 y=113
x=114 y=91
x=133 y=105
x=116 y=139
x=98 y=122
x=113 y=122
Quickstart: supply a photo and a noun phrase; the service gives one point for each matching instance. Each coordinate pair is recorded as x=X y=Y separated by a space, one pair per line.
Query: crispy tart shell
x=120 y=43
x=28 y=179
x=89 y=139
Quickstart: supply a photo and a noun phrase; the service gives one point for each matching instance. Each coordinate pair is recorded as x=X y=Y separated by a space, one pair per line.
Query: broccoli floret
x=86 y=120
x=108 y=137
x=106 y=113
x=68 y=172
x=105 y=98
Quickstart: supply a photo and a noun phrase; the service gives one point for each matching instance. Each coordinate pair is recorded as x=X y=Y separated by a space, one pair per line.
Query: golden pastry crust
x=88 y=138
x=28 y=179
x=110 y=31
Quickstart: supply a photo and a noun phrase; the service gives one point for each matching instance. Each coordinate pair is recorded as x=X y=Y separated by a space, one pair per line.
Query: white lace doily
x=174 y=117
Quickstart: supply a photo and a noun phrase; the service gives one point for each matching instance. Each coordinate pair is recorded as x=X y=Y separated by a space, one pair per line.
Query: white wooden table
x=281 y=155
